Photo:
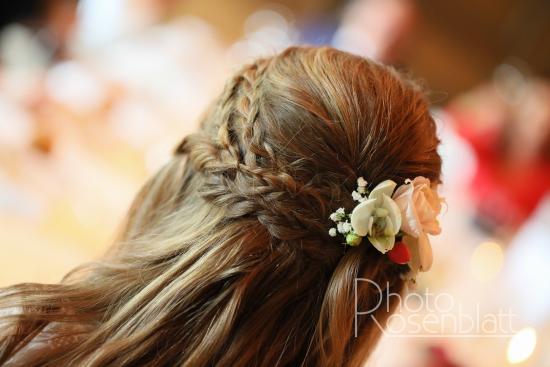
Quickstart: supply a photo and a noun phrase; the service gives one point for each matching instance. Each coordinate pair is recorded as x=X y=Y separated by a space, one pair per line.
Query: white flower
x=419 y=205
x=361 y=182
x=362 y=189
x=332 y=232
x=378 y=217
x=338 y=215
x=346 y=227
x=356 y=196
x=343 y=227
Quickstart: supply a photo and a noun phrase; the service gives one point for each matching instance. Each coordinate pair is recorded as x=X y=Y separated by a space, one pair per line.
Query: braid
x=241 y=169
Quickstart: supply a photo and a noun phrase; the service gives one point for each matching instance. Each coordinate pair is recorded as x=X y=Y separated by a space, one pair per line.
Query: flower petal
x=432 y=227
x=420 y=180
x=412 y=244
x=402 y=190
x=360 y=217
x=421 y=252
x=382 y=244
x=389 y=229
x=369 y=225
x=424 y=252
x=394 y=212
x=410 y=221
x=383 y=188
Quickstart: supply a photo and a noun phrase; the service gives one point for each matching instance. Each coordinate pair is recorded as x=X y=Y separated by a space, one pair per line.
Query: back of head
x=225 y=258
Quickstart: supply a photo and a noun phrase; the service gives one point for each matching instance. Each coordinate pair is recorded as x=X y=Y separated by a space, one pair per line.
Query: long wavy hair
x=224 y=258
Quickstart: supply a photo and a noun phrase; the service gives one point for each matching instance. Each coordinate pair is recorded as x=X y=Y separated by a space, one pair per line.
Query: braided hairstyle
x=225 y=258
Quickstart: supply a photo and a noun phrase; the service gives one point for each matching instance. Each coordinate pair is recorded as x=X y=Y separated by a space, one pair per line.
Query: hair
x=224 y=258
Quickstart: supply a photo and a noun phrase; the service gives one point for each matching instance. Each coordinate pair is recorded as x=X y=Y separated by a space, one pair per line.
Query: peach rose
x=420 y=205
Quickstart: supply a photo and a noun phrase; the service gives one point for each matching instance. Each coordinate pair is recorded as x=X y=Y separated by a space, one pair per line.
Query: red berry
x=400 y=253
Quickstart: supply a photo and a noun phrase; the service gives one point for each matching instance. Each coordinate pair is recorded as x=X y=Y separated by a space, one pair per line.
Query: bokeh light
x=522 y=345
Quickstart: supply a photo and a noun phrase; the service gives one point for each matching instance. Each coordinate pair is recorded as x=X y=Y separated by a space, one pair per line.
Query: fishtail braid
x=241 y=169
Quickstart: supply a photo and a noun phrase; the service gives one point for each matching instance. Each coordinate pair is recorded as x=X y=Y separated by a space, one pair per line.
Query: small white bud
x=356 y=196
x=332 y=232
x=361 y=182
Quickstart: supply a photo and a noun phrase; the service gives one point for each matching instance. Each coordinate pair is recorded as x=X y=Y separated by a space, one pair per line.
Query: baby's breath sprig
x=343 y=220
x=362 y=193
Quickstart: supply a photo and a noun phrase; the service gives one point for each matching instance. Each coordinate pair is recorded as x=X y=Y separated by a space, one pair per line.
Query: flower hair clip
x=394 y=221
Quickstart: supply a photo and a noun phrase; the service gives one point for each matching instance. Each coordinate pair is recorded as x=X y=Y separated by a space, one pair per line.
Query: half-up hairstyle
x=225 y=257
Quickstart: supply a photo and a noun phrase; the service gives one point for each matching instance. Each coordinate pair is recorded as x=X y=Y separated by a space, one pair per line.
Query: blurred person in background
x=42 y=28
x=377 y=29
x=508 y=126
x=34 y=34
x=80 y=131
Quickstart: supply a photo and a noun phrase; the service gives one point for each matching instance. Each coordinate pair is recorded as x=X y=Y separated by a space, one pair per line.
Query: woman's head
x=225 y=257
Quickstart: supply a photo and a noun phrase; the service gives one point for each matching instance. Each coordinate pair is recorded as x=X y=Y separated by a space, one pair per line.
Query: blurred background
x=95 y=94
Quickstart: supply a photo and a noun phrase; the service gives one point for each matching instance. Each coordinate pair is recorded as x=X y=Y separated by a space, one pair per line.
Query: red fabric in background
x=507 y=193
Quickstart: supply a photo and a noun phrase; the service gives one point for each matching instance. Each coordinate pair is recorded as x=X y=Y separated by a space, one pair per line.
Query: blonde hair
x=225 y=257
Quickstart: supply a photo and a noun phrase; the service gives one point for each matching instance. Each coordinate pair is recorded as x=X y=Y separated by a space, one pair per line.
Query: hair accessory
x=395 y=221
